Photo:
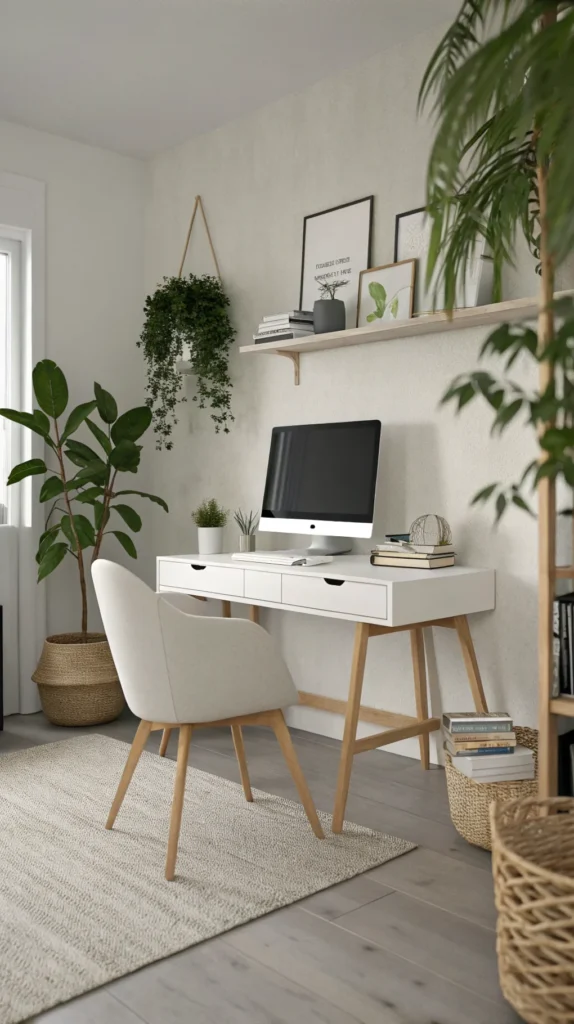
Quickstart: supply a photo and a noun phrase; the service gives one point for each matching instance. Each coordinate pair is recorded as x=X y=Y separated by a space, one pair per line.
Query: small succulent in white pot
x=210 y=518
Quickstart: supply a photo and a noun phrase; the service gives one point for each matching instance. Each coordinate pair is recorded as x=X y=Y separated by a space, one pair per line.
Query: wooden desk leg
x=254 y=613
x=351 y=720
x=421 y=698
x=469 y=655
x=226 y=609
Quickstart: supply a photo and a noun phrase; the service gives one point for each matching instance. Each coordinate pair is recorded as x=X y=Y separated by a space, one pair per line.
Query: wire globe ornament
x=431 y=529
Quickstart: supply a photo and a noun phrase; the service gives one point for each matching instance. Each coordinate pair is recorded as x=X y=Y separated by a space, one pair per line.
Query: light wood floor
x=411 y=942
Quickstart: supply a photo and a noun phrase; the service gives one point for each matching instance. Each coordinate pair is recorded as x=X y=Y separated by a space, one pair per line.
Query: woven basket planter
x=533 y=866
x=77 y=680
x=470 y=801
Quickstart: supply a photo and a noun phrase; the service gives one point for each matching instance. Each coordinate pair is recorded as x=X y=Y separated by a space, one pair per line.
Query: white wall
x=348 y=136
x=94 y=234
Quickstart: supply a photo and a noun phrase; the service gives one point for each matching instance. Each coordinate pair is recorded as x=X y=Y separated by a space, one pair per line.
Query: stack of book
x=405 y=555
x=563 y=677
x=483 y=747
x=285 y=326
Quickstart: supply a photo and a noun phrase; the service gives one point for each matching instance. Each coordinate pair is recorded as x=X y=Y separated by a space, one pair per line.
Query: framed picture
x=336 y=247
x=386 y=293
x=412 y=241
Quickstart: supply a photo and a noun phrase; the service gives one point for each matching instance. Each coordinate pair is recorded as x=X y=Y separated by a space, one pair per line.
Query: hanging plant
x=187 y=312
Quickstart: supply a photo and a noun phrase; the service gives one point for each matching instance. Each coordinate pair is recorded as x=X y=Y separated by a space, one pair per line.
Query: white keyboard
x=281 y=557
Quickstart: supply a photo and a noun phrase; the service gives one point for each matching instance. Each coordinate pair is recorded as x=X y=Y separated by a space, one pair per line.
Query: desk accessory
x=247 y=523
x=285 y=326
x=329 y=312
x=210 y=518
x=282 y=557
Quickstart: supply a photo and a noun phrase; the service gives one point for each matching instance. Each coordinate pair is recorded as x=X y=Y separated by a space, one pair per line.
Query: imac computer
x=321 y=481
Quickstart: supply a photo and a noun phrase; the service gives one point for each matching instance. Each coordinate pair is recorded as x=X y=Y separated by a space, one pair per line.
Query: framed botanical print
x=336 y=247
x=386 y=293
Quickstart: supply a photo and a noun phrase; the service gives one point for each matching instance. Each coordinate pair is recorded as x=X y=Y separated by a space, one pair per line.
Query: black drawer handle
x=198 y=566
x=333 y=583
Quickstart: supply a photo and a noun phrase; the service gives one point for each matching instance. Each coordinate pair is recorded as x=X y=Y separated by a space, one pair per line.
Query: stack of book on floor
x=285 y=326
x=483 y=747
x=405 y=555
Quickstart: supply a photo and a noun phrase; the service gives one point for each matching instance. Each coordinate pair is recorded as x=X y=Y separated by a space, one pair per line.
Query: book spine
x=472 y=745
x=564 y=668
x=298 y=314
x=475 y=737
x=477 y=725
x=481 y=752
x=556 y=648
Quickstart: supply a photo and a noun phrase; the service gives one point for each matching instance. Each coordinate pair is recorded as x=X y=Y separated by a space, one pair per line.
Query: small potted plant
x=247 y=523
x=210 y=517
x=329 y=313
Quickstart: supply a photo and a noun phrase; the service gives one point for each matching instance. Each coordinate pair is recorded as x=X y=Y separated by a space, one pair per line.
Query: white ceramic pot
x=210 y=540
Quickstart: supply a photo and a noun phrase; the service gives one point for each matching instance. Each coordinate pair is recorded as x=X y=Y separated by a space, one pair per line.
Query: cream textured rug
x=80 y=906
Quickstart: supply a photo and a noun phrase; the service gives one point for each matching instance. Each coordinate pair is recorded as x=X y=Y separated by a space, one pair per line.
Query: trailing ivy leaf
x=33 y=467
x=144 y=494
x=46 y=541
x=51 y=559
x=126 y=542
x=51 y=488
x=90 y=495
x=77 y=417
x=50 y=388
x=132 y=424
x=84 y=530
x=100 y=435
x=129 y=516
x=107 y=406
x=126 y=456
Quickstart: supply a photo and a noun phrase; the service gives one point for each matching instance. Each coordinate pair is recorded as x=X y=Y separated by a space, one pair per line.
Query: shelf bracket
x=294 y=357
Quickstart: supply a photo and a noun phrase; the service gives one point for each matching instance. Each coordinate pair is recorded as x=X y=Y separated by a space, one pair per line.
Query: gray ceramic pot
x=329 y=315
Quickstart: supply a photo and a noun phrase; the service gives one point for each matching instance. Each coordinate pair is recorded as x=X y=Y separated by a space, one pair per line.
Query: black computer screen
x=323 y=471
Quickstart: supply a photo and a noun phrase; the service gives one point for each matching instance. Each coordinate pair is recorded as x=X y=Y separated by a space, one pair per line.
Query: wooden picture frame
x=409 y=278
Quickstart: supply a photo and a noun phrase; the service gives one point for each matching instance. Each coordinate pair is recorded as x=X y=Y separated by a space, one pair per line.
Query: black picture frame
x=398 y=218
x=333 y=209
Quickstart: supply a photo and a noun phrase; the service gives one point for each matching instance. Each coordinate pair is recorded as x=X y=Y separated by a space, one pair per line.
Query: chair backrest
x=129 y=610
x=178 y=667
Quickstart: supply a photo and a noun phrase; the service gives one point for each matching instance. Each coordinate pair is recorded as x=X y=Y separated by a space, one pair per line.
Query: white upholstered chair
x=180 y=670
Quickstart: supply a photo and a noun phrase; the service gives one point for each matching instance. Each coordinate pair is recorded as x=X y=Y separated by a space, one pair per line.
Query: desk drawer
x=207 y=579
x=368 y=600
x=263 y=586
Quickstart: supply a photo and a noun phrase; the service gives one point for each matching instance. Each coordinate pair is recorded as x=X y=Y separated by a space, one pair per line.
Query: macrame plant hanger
x=198 y=205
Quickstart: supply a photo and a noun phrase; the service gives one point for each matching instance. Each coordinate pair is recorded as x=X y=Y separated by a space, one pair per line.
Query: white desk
x=380 y=600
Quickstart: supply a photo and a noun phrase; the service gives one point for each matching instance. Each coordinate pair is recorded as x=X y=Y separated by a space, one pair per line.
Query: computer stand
x=328 y=546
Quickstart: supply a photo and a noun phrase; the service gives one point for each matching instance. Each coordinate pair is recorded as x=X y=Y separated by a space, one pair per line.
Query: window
x=11 y=365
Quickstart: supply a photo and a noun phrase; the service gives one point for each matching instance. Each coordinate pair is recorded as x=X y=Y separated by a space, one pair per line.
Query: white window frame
x=14 y=366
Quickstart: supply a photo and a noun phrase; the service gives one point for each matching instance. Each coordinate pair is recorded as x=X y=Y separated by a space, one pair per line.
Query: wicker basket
x=533 y=865
x=470 y=801
x=77 y=680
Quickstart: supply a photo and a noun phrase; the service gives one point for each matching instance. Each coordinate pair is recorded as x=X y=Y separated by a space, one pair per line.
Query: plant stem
x=80 y=555
x=108 y=495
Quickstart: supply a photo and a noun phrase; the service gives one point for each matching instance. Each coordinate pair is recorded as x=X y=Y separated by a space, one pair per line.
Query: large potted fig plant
x=76 y=676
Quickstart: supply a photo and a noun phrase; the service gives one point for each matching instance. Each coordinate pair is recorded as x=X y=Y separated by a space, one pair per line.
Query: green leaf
x=50 y=388
x=99 y=514
x=484 y=494
x=394 y=307
x=126 y=456
x=100 y=436
x=371 y=317
x=378 y=293
x=107 y=406
x=144 y=494
x=94 y=473
x=132 y=424
x=33 y=467
x=84 y=530
x=29 y=420
x=46 y=541
x=51 y=559
x=126 y=542
x=82 y=452
x=77 y=417
x=501 y=504
x=519 y=501
x=51 y=488
x=90 y=495
x=129 y=516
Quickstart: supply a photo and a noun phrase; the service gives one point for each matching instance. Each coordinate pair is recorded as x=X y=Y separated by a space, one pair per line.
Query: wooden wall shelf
x=434 y=323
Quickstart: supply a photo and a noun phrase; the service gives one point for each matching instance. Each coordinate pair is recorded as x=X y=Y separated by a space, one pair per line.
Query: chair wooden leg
x=139 y=742
x=242 y=761
x=471 y=664
x=164 y=742
x=226 y=609
x=254 y=613
x=421 y=697
x=351 y=721
x=281 y=731
x=178 y=797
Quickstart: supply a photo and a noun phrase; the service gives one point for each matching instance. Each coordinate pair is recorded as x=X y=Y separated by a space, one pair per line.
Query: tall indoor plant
x=79 y=480
x=187 y=317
